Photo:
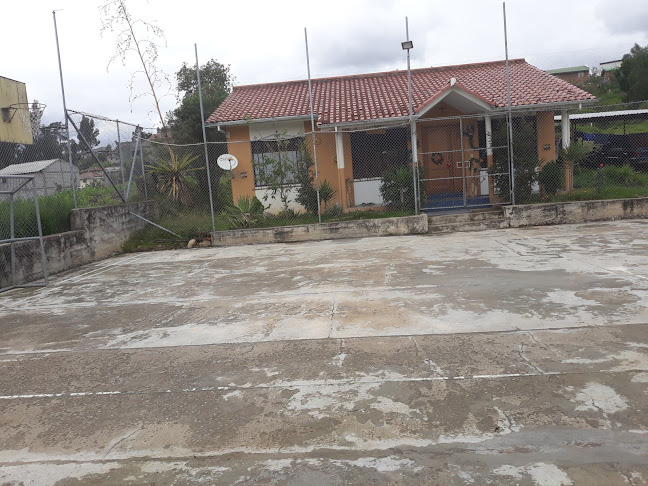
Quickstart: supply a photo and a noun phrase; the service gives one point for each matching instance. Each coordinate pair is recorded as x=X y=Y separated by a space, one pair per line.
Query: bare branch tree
x=142 y=38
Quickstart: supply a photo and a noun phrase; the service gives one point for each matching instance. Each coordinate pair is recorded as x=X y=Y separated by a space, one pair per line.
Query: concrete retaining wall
x=409 y=225
x=575 y=212
x=96 y=233
x=109 y=227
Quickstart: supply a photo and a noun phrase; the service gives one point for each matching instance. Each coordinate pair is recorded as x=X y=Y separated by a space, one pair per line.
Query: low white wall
x=367 y=191
x=276 y=206
x=364 y=228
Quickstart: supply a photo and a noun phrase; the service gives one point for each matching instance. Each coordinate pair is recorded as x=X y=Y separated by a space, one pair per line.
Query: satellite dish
x=227 y=162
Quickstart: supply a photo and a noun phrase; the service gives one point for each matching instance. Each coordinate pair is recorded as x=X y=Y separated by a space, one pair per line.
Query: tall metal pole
x=143 y=170
x=119 y=151
x=202 y=121
x=40 y=233
x=65 y=113
x=12 y=235
x=310 y=97
x=463 y=163
x=412 y=125
x=510 y=112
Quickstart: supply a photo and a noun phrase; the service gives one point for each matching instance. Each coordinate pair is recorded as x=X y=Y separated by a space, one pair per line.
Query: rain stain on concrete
x=540 y=473
x=597 y=397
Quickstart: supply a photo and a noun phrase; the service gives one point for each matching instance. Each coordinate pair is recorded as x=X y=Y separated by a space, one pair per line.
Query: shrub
x=551 y=178
x=526 y=174
x=621 y=176
x=247 y=212
x=525 y=161
x=397 y=187
x=306 y=194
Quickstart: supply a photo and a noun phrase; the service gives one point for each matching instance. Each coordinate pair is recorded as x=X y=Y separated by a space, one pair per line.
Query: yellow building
x=15 y=126
x=362 y=128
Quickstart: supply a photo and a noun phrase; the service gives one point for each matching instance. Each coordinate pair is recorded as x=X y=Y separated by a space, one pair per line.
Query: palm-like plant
x=246 y=213
x=173 y=176
x=326 y=192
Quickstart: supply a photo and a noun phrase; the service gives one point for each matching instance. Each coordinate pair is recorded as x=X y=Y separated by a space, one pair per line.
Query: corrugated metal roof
x=567 y=70
x=384 y=95
x=28 y=167
x=606 y=114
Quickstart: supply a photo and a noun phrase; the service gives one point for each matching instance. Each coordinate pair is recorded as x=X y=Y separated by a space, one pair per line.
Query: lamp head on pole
x=407 y=45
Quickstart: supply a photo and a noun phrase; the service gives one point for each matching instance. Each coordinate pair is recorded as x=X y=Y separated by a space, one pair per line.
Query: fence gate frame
x=12 y=240
x=464 y=165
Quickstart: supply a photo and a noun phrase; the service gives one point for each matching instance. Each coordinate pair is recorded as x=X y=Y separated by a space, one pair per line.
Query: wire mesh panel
x=463 y=163
x=286 y=175
x=22 y=252
x=601 y=153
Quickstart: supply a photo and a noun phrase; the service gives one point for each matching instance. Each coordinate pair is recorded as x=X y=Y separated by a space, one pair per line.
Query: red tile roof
x=384 y=95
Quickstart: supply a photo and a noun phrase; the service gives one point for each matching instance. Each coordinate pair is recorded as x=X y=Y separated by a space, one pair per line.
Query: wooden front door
x=442 y=153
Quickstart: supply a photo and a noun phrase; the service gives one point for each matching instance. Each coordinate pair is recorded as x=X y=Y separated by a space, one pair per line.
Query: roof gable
x=458 y=96
x=383 y=96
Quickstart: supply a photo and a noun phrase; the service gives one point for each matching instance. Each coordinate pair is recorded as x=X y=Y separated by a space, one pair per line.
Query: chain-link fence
x=22 y=253
x=288 y=175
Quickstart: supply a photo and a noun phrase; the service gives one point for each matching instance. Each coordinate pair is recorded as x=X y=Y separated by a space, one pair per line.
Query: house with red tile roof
x=362 y=124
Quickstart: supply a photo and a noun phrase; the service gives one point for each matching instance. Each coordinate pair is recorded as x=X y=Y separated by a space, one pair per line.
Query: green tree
x=633 y=74
x=49 y=143
x=185 y=123
x=216 y=84
x=142 y=38
x=88 y=131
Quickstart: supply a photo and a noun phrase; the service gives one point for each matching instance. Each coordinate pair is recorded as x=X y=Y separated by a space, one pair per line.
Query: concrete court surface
x=498 y=357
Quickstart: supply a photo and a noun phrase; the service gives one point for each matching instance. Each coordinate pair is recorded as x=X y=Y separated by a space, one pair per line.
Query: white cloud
x=264 y=41
x=624 y=16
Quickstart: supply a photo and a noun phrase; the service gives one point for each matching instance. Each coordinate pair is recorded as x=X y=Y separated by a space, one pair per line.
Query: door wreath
x=437 y=158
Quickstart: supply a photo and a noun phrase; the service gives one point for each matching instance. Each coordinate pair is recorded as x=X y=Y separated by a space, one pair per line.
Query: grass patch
x=615 y=127
x=54 y=211
x=610 y=182
x=187 y=223
x=605 y=193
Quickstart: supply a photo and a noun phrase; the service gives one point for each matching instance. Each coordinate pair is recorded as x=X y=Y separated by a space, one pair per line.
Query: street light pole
x=407 y=45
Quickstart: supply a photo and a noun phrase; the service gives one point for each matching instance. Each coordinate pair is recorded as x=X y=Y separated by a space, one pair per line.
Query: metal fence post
x=12 y=235
x=415 y=186
x=65 y=112
x=204 y=133
x=130 y=177
x=121 y=161
x=510 y=112
x=463 y=163
x=40 y=234
x=312 y=114
x=143 y=171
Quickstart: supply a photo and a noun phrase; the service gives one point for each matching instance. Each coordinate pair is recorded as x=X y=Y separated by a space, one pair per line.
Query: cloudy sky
x=264 y=41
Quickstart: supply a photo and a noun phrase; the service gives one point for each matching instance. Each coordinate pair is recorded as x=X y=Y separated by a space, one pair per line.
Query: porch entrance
x=454 y=171
x=442 y=159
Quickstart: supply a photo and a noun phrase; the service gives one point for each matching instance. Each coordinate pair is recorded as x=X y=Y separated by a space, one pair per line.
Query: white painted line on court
x=291 y=384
